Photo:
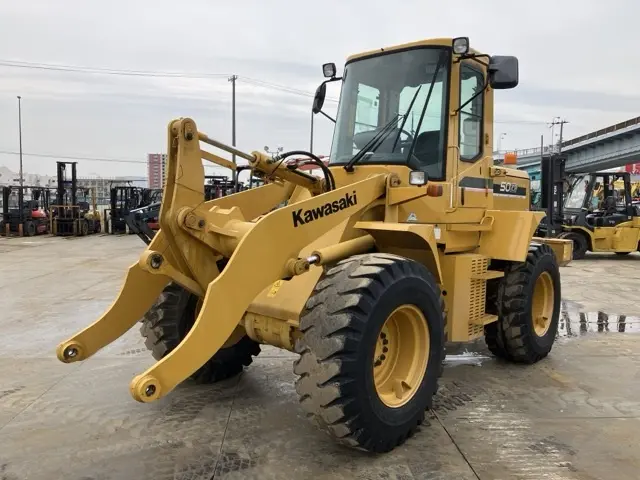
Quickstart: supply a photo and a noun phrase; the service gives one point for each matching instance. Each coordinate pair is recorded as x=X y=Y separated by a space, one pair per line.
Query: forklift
x=24 y=216
x=74 y=211
x=253 y=182
x=126 y=198
x=123 y=199
x=143 y=221
x=595 y=210
x=217 y=186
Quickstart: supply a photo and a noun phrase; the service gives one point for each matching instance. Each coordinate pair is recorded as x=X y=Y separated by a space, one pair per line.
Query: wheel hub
x=401 y=356
x=542 y=304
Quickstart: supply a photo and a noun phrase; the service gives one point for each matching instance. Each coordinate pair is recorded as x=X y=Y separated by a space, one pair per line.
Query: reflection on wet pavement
x=574 y=322
x=466 y=358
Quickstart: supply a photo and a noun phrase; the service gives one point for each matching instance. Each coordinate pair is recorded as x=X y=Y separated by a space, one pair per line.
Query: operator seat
x=610 y=216
x=609 y=205
x=427 y=151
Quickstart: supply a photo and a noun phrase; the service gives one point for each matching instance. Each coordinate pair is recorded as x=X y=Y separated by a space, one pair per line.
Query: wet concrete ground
x=575 y=415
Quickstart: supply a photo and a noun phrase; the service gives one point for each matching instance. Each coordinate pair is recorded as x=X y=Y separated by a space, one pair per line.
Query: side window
x=470 y=132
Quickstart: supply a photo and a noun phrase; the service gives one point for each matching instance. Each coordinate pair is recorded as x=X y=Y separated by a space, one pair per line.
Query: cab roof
x=443 y=42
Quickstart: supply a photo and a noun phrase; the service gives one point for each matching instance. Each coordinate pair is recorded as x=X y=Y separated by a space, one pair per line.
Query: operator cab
x=397 y=106
x=604 y=198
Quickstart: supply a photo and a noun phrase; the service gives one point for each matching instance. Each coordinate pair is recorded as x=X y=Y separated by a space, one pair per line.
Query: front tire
x=169 y=320
x=371 y=351
x=580 y=244
x=29 y=228
x=527 y=302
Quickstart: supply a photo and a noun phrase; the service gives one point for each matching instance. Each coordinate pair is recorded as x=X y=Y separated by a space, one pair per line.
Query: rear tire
x=169 y=320
x=84 y=228
x=492 y=333
x=528 y=308
x=344 y=383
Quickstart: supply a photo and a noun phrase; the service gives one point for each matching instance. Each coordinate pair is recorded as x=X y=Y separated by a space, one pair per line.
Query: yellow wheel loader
x=409 y=238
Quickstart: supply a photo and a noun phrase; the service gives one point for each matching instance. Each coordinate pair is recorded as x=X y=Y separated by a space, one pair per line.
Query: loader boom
x=173 y=255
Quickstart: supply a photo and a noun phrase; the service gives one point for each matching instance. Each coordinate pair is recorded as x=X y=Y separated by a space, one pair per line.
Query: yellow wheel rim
x=542 y=304
x=401 y=356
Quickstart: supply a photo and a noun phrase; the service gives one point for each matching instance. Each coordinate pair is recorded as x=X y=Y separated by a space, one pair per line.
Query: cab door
x=474 y=185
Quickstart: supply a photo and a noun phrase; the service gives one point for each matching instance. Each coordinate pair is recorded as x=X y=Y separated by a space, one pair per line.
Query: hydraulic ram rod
x=225 y=147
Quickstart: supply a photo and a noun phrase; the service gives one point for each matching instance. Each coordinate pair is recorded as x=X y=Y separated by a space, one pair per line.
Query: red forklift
x=24 y=211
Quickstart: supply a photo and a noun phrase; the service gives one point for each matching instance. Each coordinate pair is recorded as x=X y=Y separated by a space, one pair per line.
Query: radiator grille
x=478 y=292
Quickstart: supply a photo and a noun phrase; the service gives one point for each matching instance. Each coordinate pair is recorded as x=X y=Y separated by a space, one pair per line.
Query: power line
x=193 y=75
x=88 y=159
x=107 y=71
x=262 y=83
x=148 y=73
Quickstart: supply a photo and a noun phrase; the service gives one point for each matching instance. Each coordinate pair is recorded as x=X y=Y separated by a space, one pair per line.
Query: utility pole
x=20 y=138
x=554 y=122
x=561 y=129
x=233 y=79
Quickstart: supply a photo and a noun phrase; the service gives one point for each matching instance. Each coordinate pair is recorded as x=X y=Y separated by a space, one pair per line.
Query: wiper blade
x=369 y=146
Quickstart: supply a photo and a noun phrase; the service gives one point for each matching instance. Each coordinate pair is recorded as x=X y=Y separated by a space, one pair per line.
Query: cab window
x=470 y=132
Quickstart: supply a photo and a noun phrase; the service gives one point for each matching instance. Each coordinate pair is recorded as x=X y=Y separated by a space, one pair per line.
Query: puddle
x=574 y=322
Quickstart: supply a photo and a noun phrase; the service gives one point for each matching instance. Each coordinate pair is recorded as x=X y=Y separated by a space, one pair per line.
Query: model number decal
x=508 y=187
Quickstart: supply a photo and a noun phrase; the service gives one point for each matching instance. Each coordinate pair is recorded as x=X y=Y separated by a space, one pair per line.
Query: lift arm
x=194 y=233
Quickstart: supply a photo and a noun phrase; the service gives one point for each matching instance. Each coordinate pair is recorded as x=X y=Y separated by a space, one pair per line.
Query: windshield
x=394 y=88
x=575 y=199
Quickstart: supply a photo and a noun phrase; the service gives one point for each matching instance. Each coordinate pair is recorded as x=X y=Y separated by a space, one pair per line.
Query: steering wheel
x=408 y=140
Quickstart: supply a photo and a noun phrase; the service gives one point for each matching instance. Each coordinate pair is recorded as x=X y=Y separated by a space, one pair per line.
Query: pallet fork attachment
x=193 y=231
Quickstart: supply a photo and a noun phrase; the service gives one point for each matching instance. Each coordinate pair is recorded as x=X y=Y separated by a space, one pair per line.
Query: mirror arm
x=480 y=92
x=473 y=56
x=329 y=117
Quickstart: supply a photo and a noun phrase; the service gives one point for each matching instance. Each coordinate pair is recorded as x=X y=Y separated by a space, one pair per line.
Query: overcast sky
x=578 y=60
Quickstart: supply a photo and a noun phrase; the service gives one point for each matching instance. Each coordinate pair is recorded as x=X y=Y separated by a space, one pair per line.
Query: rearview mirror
x=503 y=71
x=318 y=99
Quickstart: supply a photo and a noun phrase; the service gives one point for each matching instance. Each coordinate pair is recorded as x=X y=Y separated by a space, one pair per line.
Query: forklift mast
x=552 y=180
x=66 y=189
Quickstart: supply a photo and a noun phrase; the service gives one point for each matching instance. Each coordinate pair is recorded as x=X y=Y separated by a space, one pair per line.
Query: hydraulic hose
x=328 y=176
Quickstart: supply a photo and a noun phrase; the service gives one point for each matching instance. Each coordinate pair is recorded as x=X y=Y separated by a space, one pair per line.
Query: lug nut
x=383 y=357
x=150 y=390
x=385 y=342
x=385 y=349
x=383 y=335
